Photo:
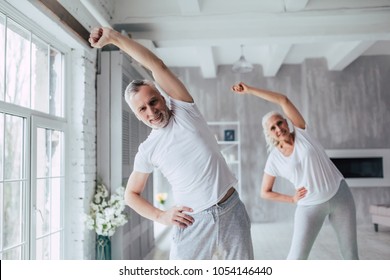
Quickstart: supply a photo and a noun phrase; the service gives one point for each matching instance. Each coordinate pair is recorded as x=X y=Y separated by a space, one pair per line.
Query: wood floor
x=271 y=241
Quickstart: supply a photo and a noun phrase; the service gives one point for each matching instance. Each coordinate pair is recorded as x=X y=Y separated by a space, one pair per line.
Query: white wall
x=82 y=155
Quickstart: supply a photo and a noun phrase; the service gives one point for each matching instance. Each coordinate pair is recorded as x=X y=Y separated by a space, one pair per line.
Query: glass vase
x=103 y=247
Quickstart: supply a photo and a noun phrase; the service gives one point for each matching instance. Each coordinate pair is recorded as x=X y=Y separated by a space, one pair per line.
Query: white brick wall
x=82 y=154
x=82 y=120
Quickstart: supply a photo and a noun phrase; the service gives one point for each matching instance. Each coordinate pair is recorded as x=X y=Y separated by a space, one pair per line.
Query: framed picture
x=229 y=135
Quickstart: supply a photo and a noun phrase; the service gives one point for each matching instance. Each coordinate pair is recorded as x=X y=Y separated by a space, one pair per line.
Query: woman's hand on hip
x=299 y=194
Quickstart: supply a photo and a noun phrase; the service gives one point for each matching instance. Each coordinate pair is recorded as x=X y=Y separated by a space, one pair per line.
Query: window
x=32 y=145
x=48 y=180
x=13 y=186
x=2 y=55
x=33 y=76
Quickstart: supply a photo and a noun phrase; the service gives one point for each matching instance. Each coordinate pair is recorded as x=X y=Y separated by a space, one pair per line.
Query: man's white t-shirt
x=188 y=155
x=308 y=166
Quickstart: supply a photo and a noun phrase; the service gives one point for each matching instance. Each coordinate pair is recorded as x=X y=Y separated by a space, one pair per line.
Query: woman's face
x=278 y=128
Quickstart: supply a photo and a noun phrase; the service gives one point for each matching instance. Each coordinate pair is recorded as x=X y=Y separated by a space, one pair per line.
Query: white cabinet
x=228 y=138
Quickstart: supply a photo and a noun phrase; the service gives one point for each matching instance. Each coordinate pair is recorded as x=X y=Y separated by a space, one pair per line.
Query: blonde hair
x=271 y=142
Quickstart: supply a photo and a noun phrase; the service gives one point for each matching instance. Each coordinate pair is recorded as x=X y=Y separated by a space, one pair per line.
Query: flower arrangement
x=161 y=198
x=106 y=214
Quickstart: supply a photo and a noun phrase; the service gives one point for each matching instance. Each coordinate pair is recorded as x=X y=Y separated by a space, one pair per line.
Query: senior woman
x=320 y=188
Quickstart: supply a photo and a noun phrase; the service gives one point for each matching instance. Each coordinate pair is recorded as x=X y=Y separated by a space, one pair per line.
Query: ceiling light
x=242 y=65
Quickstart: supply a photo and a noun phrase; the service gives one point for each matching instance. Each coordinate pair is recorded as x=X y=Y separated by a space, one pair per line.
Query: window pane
x=48 y=204
x=55 y=213
x=43 y=204
x=13 y=254
x=56 y=152
x=13 y=147
x=55 y=246
x=2 y=53
x=18 y=65
x=43 y=249
x=56 y=84
x=43 y=153
x=1 y=145
x=39 y=75
x=50 y=181
x=49 y=153
x=13 y=203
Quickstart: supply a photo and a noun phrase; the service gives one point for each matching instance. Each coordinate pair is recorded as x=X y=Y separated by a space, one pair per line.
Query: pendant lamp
x=242 y=65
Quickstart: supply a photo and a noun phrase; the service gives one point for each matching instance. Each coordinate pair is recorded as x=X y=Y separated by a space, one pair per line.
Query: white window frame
x=33 y=120
x=39 y=122
x=11 y=109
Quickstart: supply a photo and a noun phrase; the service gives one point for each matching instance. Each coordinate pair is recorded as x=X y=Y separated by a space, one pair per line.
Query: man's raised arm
x=102 y=36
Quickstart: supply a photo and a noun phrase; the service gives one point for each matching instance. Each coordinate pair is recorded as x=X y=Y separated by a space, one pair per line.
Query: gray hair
x=134 y=87
x=271 y=142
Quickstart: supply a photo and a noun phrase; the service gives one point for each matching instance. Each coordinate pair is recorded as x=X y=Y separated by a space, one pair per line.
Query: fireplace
x=363 y=167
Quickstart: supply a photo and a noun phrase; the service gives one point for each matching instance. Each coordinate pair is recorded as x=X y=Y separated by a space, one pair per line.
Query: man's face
x=150 y=107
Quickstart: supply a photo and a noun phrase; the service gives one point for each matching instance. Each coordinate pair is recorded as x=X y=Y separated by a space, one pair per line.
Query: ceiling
x=209 y=33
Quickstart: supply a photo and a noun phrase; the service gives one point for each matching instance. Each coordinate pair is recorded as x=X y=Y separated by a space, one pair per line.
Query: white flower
x=106 y=215
x=161 y=197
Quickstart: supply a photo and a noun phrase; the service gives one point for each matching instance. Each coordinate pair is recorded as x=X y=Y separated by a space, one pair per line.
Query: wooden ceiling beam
x=60 y=14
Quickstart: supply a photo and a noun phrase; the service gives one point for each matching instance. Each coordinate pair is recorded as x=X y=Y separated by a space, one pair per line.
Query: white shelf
x=231 y=150
x=228 y=142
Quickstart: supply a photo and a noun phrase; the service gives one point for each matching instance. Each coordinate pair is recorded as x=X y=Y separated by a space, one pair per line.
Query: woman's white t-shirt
x=308 y=166
x=188 y=155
